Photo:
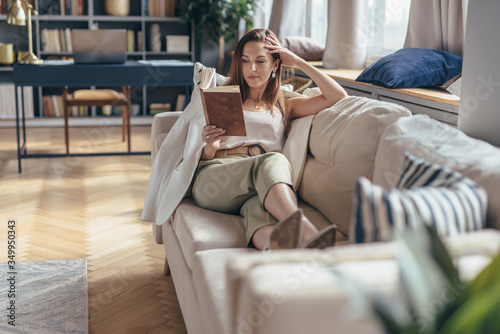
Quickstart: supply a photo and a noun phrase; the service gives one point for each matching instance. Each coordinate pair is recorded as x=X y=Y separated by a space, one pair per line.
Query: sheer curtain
x=354 y=32
x=437 y=24
x=361 y=31
x=293 y=18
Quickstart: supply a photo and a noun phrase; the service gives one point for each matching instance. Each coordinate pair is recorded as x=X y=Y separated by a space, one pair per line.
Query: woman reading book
x=253 y=177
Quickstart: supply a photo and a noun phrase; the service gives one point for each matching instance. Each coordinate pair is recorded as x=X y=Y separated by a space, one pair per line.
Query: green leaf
x=480 y=312
x=488 y=276
x=219 y=16
x=422 y=277
x=440 y=254
x=388 y=322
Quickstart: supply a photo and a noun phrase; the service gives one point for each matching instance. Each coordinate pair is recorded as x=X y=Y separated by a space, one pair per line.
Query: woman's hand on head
x=287 y=57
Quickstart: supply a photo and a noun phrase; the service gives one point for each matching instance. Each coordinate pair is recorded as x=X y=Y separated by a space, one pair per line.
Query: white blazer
x=178 y=157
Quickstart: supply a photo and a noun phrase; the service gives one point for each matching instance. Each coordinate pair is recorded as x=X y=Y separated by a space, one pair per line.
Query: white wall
x=479 y=111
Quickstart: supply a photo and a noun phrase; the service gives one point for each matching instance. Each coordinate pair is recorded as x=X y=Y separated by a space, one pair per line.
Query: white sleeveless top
x=263 y=128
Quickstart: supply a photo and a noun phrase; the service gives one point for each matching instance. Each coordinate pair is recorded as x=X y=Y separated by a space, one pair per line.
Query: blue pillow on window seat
x=413 y=68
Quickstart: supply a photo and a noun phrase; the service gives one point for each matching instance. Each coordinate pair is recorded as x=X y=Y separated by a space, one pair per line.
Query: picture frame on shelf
x=177 y=43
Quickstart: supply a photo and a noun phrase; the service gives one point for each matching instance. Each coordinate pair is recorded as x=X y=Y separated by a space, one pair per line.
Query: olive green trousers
x=238 y=184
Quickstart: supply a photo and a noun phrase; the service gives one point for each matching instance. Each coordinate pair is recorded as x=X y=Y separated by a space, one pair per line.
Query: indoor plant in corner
x=427 y=274
x=219 y=17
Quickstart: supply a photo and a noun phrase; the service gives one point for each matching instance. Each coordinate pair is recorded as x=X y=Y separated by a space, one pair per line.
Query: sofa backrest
x=342 y=146
x=442 y=144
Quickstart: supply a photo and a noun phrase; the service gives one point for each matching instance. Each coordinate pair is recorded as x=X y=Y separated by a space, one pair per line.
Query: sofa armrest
x=311 y=284
x=160 y=127
x=298 y=287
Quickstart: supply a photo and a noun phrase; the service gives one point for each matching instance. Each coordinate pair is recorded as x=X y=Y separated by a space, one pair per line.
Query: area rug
x=44 y=297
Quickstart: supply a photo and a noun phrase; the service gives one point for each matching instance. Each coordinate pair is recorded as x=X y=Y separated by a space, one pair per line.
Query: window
x=263 y=10
x=315 y=18
x=387 y=26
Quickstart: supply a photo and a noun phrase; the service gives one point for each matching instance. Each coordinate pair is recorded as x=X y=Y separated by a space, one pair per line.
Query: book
x=222 y=104
x=130 y=40
x=155 y=108
x=139 y=41
x=181 y=100
x=8 y=104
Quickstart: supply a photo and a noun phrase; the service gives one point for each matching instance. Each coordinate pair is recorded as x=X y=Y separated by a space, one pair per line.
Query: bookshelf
x=93 y=14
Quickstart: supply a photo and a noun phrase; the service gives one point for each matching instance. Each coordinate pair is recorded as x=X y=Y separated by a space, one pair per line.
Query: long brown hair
x=273 y=94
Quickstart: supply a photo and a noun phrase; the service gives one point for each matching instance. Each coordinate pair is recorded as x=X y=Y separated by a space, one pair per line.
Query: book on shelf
x=222 y=104
x=181 y=100
x=130 y=41
x=139 y=41
x=156 y=108
x=8 y=101
x=56 y=40
x=53 y=106
x=160 y=8
x=66 y=7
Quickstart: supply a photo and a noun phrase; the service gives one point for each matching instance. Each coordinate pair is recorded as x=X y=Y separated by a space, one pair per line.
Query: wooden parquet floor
x=68 y=208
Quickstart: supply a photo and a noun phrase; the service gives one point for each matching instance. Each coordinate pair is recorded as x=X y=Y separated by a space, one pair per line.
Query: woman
x=248 y=175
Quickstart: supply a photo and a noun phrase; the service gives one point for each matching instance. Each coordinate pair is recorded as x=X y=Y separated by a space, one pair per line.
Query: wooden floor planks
x=68 y=208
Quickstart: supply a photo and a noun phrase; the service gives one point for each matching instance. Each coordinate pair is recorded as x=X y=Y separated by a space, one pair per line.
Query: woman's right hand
x=211 y=135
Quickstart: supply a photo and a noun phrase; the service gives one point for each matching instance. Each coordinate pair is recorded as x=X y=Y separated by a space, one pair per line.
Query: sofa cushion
x=439 y=143
x=343 y=142
x=413 y=68
x=427 y=194
x=199 y=229
x=210 y=281
x=292 y=278
x=302 y=298
x=304 y=47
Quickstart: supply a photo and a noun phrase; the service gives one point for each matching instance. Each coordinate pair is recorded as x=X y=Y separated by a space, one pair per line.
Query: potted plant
x=220 y=18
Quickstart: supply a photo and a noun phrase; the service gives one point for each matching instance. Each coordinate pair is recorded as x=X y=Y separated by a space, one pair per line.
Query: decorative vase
x=155 y=37
x=118 y=7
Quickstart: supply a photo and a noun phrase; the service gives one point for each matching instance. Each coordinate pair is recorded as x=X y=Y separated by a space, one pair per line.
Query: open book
x=222 y=104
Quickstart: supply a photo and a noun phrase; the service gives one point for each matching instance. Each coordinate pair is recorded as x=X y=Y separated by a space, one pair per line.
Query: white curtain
x=261 y=17
x=287 y=18
x=359 y=31
x=437 y=24
x=346 y=38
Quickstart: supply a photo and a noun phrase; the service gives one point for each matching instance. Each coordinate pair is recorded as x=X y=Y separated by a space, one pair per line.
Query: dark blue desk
x=132 y=73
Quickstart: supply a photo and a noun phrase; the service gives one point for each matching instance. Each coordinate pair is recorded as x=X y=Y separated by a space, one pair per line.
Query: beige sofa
x=224 y=287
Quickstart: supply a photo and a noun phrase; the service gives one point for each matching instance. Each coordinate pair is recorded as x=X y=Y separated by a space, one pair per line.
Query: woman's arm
x=331 y=91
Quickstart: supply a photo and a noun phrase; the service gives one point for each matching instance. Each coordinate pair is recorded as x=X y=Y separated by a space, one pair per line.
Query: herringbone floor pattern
x=68 y=208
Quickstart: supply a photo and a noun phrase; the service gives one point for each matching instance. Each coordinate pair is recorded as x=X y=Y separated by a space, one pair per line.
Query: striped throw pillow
x=426 y=194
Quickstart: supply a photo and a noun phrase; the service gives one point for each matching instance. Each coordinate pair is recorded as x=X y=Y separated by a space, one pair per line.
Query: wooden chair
x=98 y=98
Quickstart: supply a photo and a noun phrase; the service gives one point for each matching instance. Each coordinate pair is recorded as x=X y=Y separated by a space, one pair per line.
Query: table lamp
x=17 y=16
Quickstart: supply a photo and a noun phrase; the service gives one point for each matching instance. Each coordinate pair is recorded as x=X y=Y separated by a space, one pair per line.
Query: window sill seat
x=437 y=103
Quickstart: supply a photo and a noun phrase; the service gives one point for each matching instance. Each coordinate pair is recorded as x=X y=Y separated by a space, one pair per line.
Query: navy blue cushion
x=412 y=68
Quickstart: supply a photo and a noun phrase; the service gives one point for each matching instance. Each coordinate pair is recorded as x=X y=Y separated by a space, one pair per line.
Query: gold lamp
x=17 y=17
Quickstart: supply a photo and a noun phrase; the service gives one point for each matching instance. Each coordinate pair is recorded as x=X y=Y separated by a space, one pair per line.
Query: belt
x=251 y=150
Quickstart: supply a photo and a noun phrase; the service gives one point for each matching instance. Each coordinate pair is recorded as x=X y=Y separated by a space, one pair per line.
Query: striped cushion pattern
x=426 y=194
